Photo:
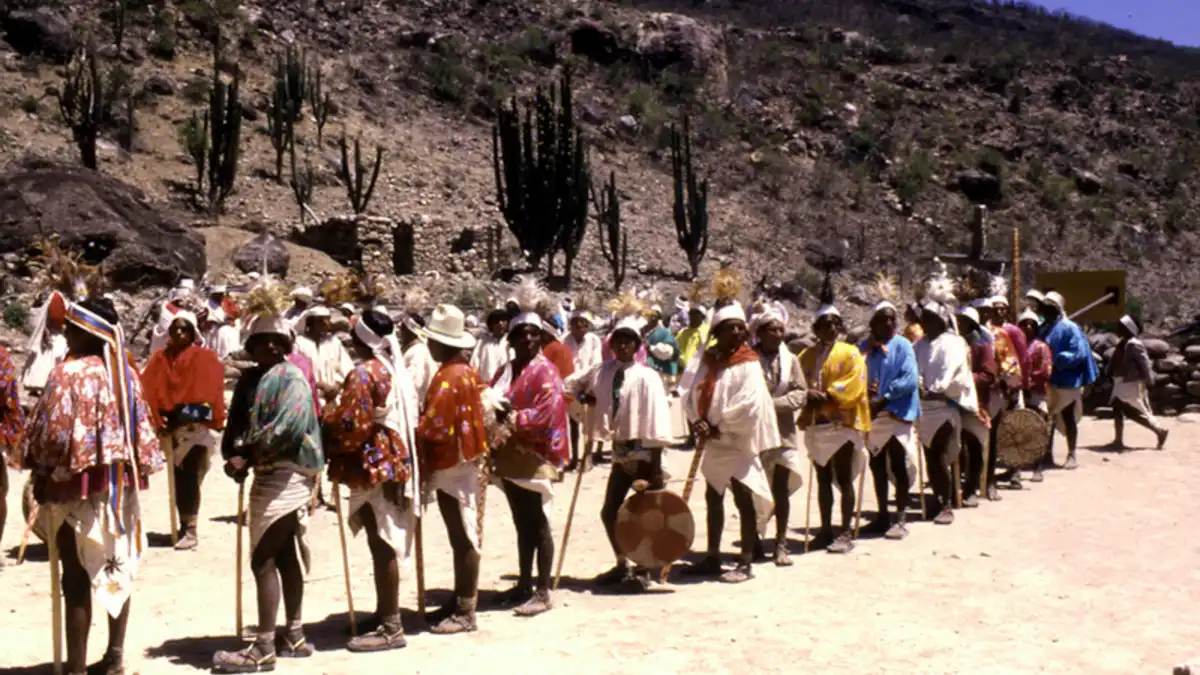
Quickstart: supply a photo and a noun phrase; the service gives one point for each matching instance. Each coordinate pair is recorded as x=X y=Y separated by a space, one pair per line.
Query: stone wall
x=1176 y=387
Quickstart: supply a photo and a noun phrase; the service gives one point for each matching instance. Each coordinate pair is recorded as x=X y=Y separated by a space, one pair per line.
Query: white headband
x=1130 y=325
x=369 y=337
x=527 y=319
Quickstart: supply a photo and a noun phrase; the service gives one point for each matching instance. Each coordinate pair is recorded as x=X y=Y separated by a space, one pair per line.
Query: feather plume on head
x=347 y=288
x=58 y=269
x=937 y=295
x=726 y=287
x=417 y=301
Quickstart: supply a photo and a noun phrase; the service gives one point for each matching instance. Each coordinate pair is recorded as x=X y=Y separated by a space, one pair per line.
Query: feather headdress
x=347 y=288
x=58 y=269
x=266 y=299
x=886 y=288
x=417 y=301
x=726 y=287
x=939 y=287
x=626 y=305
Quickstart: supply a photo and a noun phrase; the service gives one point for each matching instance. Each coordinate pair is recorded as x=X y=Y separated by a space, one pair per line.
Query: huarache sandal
x=740 y=574
x=782 y=557
x=517 y=595
x=540 y=603
x=616 y=575
x=843 y=544
x=252 y=659
x=382 y=639
x=945 y=517
x=293 y=647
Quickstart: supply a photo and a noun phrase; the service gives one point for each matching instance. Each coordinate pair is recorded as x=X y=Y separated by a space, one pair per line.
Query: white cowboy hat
x=447 y=325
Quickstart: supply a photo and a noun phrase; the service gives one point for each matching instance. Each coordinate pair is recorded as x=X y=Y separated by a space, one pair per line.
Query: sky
x=1174 y=20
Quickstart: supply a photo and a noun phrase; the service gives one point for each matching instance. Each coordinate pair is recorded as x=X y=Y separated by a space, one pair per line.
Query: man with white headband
x=587 y=349
x=976 y=429
x=785 y=380
x=895 y=406
x=491 y=352
x=185 y=389
x=947 y=394
x=732 y=412
x=302 y=300
x=453 y=444
x=91 y=447
x=274 y=429
x=369 y=434
x=836 y=421
x=1074 y=369
x=1132 y=373
x=331 y=362
x=626 y=405
x=531 y=406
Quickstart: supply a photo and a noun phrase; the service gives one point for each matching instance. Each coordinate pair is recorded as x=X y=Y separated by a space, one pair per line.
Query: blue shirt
x=895 y=375
x=1074 y=365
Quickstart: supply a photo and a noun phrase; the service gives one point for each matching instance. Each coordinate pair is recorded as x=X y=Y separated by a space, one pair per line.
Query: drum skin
x=655 y=528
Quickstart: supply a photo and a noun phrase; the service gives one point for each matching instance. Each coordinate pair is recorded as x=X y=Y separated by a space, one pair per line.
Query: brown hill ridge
x=873 y=126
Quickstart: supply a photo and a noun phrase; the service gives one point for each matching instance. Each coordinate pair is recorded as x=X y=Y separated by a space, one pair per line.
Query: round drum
x=28 y=504
x=655 y=528
x=1022 y=438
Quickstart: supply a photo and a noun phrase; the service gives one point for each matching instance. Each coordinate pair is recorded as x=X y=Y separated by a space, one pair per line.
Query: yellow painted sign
x=1081 y=289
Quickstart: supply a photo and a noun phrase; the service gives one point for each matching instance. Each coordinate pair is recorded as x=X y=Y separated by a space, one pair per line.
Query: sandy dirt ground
x=1095 y=571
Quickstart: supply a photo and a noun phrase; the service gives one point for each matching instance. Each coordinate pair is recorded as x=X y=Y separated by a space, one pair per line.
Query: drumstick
x=562 y=554
x=687 y=487
x=55 y=596
x=808 y=507
x=241 y=525
x=862 y=477
x=33 y=514
x=170 y=448
x=337 y=505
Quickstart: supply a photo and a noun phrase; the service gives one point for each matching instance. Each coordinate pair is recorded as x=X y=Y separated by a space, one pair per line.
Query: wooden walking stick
x=56 y=612
x=687 y=487
x=33 y=514
x=862 y=478
x=337 y=505
x=921 y=469
x=562 y=553
x=170 y=447
x=420 y=536
x=808 y=507
x=958 y=480
x=241 y=525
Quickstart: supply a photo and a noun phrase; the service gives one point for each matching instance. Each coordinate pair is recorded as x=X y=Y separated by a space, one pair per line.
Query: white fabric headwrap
x=979 y=303
x=1130 y=325
x=826 y=310
x=728 y=313
x=302 y=293
x=763 y=318
x=369 y=337
x=1029 y=315
x=882 y=305
x=527 y=319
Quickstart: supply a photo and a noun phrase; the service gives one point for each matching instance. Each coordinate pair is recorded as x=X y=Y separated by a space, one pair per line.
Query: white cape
x=644 y=414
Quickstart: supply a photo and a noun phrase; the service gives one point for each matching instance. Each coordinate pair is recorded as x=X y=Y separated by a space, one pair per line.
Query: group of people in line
x=407 y=411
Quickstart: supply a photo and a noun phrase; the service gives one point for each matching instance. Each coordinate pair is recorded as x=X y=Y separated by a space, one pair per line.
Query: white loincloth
x=274 y=494
x=789 y=458
x=1132 y=394
x=722 y=464
x=188 y=436
x=824 y=440
x=394 y=522
x=934 y=415
x=678 y=418
x=971 y=424
x=1035 y=401
x=462 y=484
x=883 y=429
x=542 y=486
x=1057 y=400
x=110 y=559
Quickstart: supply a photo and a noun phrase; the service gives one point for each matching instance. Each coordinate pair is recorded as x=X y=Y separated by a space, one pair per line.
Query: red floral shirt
x=12 y=419
x=361 y=452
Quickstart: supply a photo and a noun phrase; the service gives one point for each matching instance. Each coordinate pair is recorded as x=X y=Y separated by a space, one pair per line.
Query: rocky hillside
x=872 y=126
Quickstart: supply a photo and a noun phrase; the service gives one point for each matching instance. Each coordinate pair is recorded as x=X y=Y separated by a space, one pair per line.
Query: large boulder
x=263 y=249
x=677 y=42
x=1157 y=349
x=40 y=31
x=136 y=245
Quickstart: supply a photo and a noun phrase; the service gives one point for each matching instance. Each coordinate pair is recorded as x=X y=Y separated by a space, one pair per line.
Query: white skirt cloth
x=462 y=484
x=722 y=464
x=394 y=522
x=1059 y=400
x=110 y=559
x=274 y=494
x=936 y=414
x=883 y=429
x=824 y=440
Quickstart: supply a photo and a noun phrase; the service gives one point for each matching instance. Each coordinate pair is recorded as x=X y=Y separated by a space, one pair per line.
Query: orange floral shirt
x=452 y=429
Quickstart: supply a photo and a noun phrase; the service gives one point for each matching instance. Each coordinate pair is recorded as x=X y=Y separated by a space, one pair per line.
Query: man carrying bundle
x=732 y=413
x=628 y=406
x=274 y=429
x=368 y=433
x=785 y=381
x=1132 y=373
x=185 y=388
x=453 y=447
x=91 y=447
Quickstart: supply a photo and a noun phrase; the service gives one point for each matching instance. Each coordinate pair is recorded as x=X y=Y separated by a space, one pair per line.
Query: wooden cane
x=808 y=507
x=241 y=526
x=170 y=447
x=687 y=487
x=987 y=447
x=862 y=479
x=562 y=553
x=420 y=536
x=33 y=514
x=920 y=469
x=337 y=505
x=958 y=481
x=56 y=611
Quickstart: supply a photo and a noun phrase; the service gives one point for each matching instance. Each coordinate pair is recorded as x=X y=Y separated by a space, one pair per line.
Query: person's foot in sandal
x=842 y=545
x=1039 y=474
x=618 y=574
x=945 y=517
x=971 y=501
x=292 y=645
x=1070 y=464
x=540 y=603
x=517 y=595
x=364 y=626
x=112 y=663
x=740 y=574
x=389 y=635
x=993 y=494
x=1162 y=439
x=823 y=539
x=257 y=658
x=783 y=558
x=710 y=566
x=897 y=532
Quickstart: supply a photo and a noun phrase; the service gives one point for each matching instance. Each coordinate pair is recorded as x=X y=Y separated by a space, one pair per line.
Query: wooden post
x=1015 y=287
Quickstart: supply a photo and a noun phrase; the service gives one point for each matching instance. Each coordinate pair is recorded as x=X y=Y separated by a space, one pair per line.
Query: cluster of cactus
x=614 y=243
x=303 y=183
x=691 y=200
x=214 y=140
x=359 y=188
x=542 y=175
x=81 y=103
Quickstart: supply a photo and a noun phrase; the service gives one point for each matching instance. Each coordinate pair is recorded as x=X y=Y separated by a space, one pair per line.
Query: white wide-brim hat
x=268 y=325
x=1056 y=299
x=447 y=325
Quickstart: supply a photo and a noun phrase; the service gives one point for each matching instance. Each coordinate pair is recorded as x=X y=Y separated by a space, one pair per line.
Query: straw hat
x=447 y=325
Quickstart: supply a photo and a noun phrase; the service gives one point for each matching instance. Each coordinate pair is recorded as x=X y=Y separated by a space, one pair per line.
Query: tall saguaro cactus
x=614 y=243
x=358 y=187
x=542 y=176
x=82 y=105
x=225 y=129
x=691 y=199
x=280 y=117
x=291 y=71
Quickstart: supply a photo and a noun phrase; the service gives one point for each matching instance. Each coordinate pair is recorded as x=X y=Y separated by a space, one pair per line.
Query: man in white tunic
x=785 y=379
x=732 y=412
x=627 y=405
x=586 y=351
x=330 y=361
x=947 y=393
x=420 y=363
x=492 y=352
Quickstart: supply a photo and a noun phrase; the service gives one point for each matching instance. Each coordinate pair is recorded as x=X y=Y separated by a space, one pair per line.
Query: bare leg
x=3 y=501
x=1118 y=425
x=898 y=458
x=1071 y=431
x=715 y=502
x=387 y=568
x=619 y=483
x=459 y=617
x=825 y=503
x=938 y=457
x=743 y=499
x=843 y=462
x=77 y=598
x=526 y=542
x=879 y=478
x=783 y=502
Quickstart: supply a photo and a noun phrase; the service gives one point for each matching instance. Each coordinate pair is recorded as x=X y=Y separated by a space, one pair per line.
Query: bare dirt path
x=1095 y=571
